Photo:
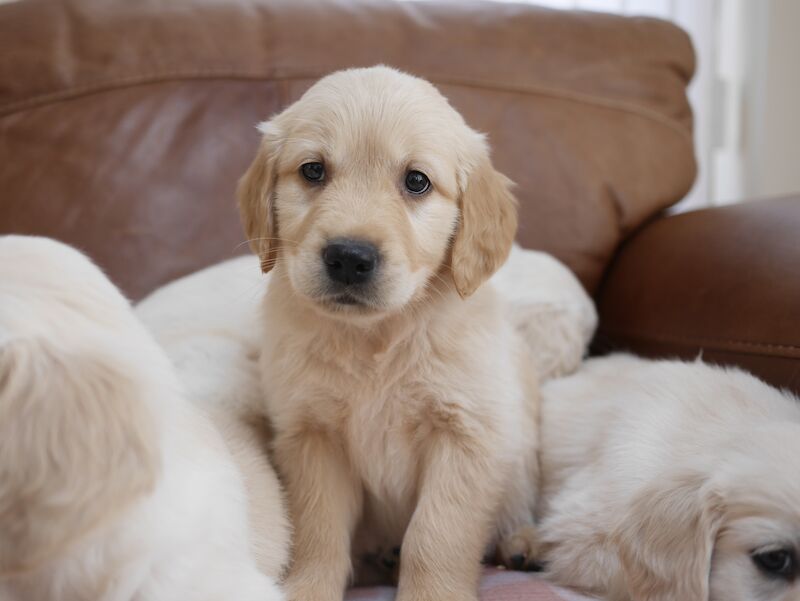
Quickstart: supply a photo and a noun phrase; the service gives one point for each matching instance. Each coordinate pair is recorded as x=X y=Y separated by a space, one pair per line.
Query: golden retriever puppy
x=670 y=481
x=403 y=400
x=113 y=487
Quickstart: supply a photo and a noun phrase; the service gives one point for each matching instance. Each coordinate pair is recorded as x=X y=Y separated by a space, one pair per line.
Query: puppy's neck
x=437 y=305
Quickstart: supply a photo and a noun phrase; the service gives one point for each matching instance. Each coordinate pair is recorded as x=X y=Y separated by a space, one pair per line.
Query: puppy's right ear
x=666 y=539
x=77 y=447
x=255 y=193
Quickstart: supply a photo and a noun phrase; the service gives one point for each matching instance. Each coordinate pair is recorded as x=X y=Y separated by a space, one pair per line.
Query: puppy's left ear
x=666 y=539
x=255 y=193
x=487 y=225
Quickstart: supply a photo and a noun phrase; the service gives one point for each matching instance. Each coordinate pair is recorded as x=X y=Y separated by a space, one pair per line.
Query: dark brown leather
x=124 y=125
x=722 y=281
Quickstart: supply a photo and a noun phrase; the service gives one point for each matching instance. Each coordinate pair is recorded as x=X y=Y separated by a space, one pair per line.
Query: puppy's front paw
x=518 y=551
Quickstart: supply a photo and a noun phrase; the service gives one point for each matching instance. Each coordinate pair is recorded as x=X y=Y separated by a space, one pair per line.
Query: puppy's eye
x=779 y=563
x=417 y=182
x=313 y=172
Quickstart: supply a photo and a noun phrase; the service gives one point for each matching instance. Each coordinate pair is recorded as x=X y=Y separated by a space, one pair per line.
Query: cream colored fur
x=113 y=487
x=661 y=479
x=549 y=308
x=413 y=416
x=207 y=325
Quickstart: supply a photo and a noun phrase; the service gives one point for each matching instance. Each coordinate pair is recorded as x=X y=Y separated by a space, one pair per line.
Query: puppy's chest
x=381 y=437
x=383 y=407
x=379 y=411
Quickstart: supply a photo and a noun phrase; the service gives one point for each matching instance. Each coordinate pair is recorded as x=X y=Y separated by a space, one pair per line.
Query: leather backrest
x=124 y=126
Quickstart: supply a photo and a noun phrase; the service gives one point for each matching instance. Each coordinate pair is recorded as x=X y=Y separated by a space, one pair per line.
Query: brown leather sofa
x=125 y=125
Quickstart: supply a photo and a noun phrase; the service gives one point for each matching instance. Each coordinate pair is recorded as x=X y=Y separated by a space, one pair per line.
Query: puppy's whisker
x=427 y=299
x=447 y=284
x=440 y=278
x=269 y=264
x=260 y=239
x=440 y=296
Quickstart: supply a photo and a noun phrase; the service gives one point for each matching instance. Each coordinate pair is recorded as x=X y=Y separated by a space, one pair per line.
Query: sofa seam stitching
x=719 y=342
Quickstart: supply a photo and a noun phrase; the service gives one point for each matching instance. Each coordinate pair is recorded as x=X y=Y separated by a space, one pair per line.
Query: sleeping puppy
x=113 y=487
x=404 y=404
x=668 y=481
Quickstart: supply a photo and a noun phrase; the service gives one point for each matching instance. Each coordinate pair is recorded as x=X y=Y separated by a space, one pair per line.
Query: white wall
x=745 y=94
x=772 y=93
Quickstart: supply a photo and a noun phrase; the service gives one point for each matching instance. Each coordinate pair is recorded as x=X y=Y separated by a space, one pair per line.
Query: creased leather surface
x=125 y=125
x=724 y=282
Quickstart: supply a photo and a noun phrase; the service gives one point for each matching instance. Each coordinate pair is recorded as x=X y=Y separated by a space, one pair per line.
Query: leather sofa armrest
x=723 y=283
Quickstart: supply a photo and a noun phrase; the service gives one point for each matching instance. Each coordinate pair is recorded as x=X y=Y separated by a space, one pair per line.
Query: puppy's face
x=757 y=550
x=368 y=188
x=756 y=559
x=730 y=535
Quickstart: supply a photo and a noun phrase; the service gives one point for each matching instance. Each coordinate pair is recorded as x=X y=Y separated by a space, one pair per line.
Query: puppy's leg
x=325 y=500
x=516 y=534
x=446 y=538
x=517 y=539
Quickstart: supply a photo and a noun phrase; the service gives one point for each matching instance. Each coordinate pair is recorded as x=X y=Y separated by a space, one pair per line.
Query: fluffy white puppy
x=549 y=308
x=113 y=487
x=670 y=481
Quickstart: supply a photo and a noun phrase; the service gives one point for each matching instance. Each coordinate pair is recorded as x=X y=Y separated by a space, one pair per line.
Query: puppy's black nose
x=350 y=261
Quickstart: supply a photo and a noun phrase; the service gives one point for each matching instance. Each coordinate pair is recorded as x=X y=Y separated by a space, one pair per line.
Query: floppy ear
x=666 y=540
x=255 y=193
x=77 y=447
x=487 y=226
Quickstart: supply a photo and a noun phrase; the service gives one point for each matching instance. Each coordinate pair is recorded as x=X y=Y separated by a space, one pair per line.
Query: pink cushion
x=497 y=585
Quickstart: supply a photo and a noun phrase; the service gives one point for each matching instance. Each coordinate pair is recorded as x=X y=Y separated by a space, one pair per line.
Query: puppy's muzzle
x=350 y=262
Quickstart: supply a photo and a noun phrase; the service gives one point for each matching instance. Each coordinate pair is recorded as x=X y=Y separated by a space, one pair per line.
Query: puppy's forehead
x=760 y=481
x=376 y=111
x=376 y=93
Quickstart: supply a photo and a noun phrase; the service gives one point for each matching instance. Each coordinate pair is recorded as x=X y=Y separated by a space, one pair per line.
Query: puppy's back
x=77 y=448
x=77 y=444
